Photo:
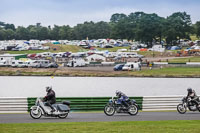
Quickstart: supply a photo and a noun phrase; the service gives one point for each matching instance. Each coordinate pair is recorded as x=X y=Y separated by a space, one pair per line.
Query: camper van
x=43 y=63
x=76 y=63
x=18 y=63
x=38 y=63
x=3 y=63
x=132 y=66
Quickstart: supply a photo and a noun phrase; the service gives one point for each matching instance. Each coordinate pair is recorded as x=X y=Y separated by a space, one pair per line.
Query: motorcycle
x=187 y=103
x=40 y=109
x=115 y=106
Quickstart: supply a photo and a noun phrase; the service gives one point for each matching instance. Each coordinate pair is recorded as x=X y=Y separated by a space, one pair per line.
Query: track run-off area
x=97 y=117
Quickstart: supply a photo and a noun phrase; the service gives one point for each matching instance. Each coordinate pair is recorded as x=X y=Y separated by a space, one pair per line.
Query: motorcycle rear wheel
x=34 y=114
x=63 y=116
x=181 y=109
x=133 y=110
x=109 y=110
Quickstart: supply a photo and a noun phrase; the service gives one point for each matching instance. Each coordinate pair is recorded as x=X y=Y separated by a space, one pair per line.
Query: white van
x=132 y=66
x=3 y=63
x=18 y=63
x=76 y=63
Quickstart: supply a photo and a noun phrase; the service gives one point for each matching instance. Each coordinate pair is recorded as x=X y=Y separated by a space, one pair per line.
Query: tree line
x=138 y=26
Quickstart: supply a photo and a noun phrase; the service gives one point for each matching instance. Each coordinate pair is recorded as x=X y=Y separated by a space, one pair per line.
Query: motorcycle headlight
x=110 y=101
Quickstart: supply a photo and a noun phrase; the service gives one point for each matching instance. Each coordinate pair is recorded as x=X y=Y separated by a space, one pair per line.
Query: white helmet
x=118 y=93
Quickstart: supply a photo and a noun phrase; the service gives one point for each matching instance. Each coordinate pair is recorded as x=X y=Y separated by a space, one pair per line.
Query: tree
x=10 y=26
x=65 y=32
x=178 y=26
x=10 y=34
x=197 y=28
x=22 y=33
x=117 y=17
x=54 y=33
x=43 y=33
x=101 y=30
x=2 y=34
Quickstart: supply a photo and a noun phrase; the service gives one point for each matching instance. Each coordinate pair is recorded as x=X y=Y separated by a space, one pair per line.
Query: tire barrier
x=13 y=105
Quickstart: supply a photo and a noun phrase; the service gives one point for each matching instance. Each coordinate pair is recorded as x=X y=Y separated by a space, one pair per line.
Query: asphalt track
x=95 y=117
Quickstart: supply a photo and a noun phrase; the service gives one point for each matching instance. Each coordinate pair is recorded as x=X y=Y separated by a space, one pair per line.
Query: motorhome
x=18 y=63
x=38 y=63
x=43 y=63
x=3 y=63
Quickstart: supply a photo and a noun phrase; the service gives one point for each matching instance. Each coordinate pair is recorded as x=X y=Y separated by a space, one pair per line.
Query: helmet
x=189 y=89
x=118 y=93
x=48 y=88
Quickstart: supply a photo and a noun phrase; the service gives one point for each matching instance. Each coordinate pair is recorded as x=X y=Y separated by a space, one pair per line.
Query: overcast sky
x=72 y=12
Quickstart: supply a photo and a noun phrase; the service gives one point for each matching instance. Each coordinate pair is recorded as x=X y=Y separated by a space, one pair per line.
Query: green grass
x=169 y=72
x=155 y=72
x=59 y=47
x=184 y=60
x=185 y=126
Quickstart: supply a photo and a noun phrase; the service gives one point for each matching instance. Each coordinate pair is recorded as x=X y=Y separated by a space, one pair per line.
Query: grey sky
x=72 y=12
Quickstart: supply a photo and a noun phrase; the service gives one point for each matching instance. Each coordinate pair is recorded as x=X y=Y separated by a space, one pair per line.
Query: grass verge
x=58 y=47
x=184 y=60
x=178 y=72
x=181 y=126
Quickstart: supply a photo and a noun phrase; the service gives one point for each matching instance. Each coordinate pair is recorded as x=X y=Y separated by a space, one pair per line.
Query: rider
x=192 y=94
x=50 y=98
x=122 y=98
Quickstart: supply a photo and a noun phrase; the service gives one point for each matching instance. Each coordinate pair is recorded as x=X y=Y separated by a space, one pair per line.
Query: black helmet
x=189 y=90
x=48 y=88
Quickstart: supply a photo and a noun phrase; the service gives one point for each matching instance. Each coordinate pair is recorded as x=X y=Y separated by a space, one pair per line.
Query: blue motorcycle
x=114 y=105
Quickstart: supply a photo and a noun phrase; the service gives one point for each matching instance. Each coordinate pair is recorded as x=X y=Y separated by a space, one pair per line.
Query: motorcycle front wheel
x=35 y=114
x=133 y=110
x=109 y=110
x=181 y=109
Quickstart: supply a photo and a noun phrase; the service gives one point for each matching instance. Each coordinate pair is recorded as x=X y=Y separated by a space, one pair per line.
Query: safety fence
x=85 y=103
x=157 y=103
x=13 y=104
x=146 y=103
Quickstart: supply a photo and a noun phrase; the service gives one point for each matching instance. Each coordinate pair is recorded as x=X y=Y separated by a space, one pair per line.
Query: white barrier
x=150 y=103
x=13 y=105
x=192 y=63
x=156 y=103
x=160 y=63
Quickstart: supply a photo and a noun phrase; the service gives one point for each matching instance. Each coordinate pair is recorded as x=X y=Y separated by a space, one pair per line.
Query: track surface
x=94 y=117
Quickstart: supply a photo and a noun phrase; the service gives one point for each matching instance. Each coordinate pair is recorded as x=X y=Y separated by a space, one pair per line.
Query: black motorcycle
x=187 y=103
x=115 y=106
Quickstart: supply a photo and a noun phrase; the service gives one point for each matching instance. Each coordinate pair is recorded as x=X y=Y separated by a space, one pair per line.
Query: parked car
x=118 y=67
x=108 y=46
x=52 y=65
